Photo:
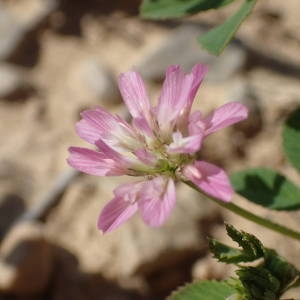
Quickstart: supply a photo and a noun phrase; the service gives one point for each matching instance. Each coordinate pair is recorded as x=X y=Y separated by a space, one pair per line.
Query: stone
x=180 y=47
x=253 y=125
x=25 y=260
x=100 y=81
x=15 y=26
x=11 y=33
x=36 y=11
x=94 y=80
x=69 y=282
x=12 y=81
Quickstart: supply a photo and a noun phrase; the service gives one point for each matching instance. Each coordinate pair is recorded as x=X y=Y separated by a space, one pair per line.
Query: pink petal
x=224 y=116
x=121 y=207
x=142 y=126
x=87 y=132
x=174 y=96
x=189 y=144
x=122 y=161
x=110 y=152
x=115 y=213
x=198 y=71
x=210 y=179
x=196 y=124
x=129 y=191
x=145 y=156
x=96 y=124
x=94 y=163
x=134 y=94
x=157 y=201
x=99 y=124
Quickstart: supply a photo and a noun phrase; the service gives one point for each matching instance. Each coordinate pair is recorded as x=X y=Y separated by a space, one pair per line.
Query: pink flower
x=159 y=144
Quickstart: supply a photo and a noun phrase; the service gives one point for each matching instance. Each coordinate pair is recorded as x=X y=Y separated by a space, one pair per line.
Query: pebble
x=25 y=260
x=181 y=48
x=101 y=82
x=11 y=33
x=93 y=80
x=15 y=26
x=12 y=80
x=253 y=125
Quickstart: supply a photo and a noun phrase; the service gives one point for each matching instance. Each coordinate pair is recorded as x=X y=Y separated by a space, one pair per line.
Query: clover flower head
x=159 y=145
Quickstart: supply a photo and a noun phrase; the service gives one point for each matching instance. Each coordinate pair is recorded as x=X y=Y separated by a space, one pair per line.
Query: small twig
x=51 y=198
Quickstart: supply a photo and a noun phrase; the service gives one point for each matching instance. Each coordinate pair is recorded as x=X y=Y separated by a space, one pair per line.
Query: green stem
x=250 y=216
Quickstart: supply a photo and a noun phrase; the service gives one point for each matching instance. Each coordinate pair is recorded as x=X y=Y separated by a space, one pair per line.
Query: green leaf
x=252 y=247
x=259 y=283
x=291 y=139
x=267 y=188
x=226 y=254
x=160 y=9
x=216 y=39
x=203 y=290
x=271 y=276
x=281 y=269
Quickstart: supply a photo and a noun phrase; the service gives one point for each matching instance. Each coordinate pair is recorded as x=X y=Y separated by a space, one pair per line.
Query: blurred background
x=59 y=57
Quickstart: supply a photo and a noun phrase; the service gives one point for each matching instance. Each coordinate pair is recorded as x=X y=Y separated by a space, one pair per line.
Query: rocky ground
x=60 y=57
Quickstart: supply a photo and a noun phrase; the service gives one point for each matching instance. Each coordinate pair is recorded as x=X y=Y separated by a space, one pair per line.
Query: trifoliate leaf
x=216 y=39
x=291 y=139
x=161 y=9
x=267 y=188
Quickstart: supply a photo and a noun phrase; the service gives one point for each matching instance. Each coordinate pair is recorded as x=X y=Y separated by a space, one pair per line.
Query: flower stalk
x=250 y=216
